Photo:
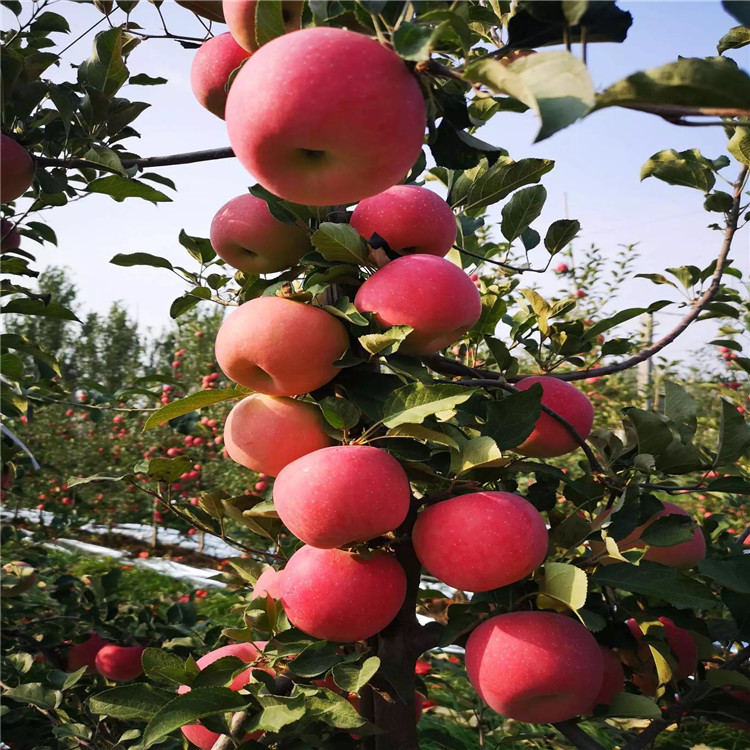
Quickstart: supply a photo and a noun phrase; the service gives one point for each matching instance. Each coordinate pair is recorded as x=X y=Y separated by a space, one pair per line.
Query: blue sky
x=597 y=166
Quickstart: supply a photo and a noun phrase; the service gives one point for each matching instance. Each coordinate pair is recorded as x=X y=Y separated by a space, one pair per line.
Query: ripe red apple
x=613 y=680
x=84 y=653
x=269 y=582
x=433 y=296
x=343 y=494
x=480 y=541
x=342 y=596
x=536 y=667
x=248 y=237
x=411 y=219
x=683 y=555
x=198 y=734
x=119 y=663
x=212 y=65
x=680 y=642
x=16 y=169
x=549 y=438
x=240 y=17
x=280 y=347
x=11 y=239
x=362 y=122
x=265 y=433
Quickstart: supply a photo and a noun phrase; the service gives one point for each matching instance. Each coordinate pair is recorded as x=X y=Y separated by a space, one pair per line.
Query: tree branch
x=190 y=157
x=227 y=741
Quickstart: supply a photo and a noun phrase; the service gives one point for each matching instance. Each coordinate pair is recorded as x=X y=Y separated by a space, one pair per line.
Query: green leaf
x=387 y=342
x=658 y=581
x=37 y=307
x=412 y=404
x=50 y=23
x=269 y=21
x=456 y=149
x=423 y=434
x=739 y=144
x=144 y=80
x=512 y=419
x=689 y=82
x=105 y=157
x=735 y=485
x=412 y=42
x=199 y=248
x=36 y=694
x=164 y=469
x=727 y=678
x=492 y=184
x=340 y=413
x=339 y=243
x=190 y=403
x=565 y=583
x=556 y=85
x=188 y=708
x=343 y=308
x=630 y=706
x=738 y=10
x=560 y=234
x=477 y=452
x=315 y=660
x=734 y=572
x=668 y=530
x=219 y=672
x=162 y=666
x=352 y=677
x=120 y=188
x=687 y=168
x=11 y=366
x=75 y=481
x=735 y=38
x=105 y=70
x=140 y=259
x=279 y=712
x=138 y=702
x=182 y=304
x=734 y=435
x=522 y=209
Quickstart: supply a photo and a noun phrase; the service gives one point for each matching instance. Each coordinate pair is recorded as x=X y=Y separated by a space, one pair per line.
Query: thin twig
x=500 y=263
x=227 y=741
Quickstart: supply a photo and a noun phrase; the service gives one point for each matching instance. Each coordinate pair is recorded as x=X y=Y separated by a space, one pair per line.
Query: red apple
x=325 y=116
x=247 y=237
x=198 y=734
x=480 y=541
x=280 y=347
x=212 y=66
x=613 y=680
x=549 y=438
x=16 y=169
x=265 y=433
x=335 y=496
x=11 y=239
x=240 y=17
x=84 y=653
x=269 y=582
x=409 y=218
x=342 y=596
x=536 y=667
x=119 y=663
x=433 y=296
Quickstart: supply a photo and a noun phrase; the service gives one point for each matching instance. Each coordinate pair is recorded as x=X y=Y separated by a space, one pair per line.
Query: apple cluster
x=323 y=117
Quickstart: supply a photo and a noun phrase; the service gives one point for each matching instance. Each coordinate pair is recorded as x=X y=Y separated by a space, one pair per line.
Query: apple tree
x=441 y=480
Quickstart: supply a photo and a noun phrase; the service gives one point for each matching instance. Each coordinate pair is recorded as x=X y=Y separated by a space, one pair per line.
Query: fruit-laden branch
x=673 y=714
x=227 y=741
x=451 y=367
x=190 y=157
